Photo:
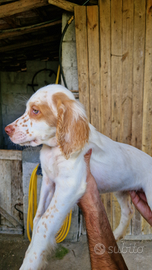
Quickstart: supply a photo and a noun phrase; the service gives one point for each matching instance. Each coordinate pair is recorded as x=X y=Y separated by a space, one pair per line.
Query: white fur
x=117 y=167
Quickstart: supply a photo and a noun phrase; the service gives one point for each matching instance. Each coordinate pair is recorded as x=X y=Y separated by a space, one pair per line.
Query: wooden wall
x=11 y=192
x=114 y=55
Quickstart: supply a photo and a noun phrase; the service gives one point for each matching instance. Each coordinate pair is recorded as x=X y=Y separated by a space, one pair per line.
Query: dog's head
x=52 y=116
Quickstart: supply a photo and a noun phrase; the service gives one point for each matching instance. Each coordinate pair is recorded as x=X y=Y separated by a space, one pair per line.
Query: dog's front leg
x=46 y=194
x=64 y=198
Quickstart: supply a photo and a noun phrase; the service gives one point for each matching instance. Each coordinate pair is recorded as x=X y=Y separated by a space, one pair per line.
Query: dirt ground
x=137 y=254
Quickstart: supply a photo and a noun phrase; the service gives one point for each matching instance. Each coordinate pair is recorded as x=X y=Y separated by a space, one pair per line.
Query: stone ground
x=137 y=254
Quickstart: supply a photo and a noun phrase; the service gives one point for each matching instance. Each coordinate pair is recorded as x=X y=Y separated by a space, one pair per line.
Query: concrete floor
x=137 y=254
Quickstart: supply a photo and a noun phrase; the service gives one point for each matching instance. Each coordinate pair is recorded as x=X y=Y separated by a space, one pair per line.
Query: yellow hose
x=32 y=207
x=32 y=193
x=57 y=77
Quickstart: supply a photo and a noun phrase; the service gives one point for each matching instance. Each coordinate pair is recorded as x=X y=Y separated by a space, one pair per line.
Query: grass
x=60 y=252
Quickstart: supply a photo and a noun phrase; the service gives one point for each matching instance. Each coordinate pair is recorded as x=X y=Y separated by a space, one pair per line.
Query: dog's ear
x=72 y=131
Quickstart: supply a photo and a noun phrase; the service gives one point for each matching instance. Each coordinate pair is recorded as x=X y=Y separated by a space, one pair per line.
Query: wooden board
x=127 y=74
x=11 y=191
x=116 y=84
x=105 y=63
x=10 y=154
x=20 y=6
x=66 y=5
x=147 y=105
x=138 y=72
x=116 y=67
x=138 y=86
x=82 y=57
x=93 y=55
x=105 y=84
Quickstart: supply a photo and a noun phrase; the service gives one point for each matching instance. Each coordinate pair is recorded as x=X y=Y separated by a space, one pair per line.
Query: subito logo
x=99 y=249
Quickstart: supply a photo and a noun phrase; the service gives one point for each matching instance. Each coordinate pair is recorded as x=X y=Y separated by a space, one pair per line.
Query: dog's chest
x=51 y=161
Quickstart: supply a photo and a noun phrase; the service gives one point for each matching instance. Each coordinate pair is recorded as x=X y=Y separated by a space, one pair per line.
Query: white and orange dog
x=55 y=119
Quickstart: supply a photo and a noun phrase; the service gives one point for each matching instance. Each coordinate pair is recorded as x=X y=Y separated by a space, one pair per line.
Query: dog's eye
x=35 y=111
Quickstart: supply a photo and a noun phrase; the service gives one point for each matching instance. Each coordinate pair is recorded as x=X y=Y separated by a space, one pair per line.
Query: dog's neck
x=52 y=142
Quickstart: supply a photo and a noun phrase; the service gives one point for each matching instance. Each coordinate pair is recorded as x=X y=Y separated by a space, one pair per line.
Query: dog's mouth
x=21 y=139
x=30 y=139
x=30 y=143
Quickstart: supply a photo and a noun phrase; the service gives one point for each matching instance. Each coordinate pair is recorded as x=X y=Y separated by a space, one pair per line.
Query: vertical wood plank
x=105 y=60
x=116 y=83
x=5 y=191
x=105 y=84
x=16 y=188
x=127 y=71
x=127 y=74
x=116 y=66
x=138 y=72
x=138 y=85
x=93 y=51
x=82 y=57
x=147 y=104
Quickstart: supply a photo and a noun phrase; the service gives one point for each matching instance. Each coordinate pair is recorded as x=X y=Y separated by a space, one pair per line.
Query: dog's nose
x=9 y=130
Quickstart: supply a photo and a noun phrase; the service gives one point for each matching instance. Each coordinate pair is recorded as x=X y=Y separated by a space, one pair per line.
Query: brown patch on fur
x=53 y=207
x=45 y=113
x=24 y=116
x=77 y=131
x=46 y=227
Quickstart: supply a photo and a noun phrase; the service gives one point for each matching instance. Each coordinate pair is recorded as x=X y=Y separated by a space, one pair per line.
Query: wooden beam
x=25 y=30
x=20 y=6
x=66 y=5
x=10 y=154
x=2 y=2
x=10 y=22
x=11 y=219
x=28 y=44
